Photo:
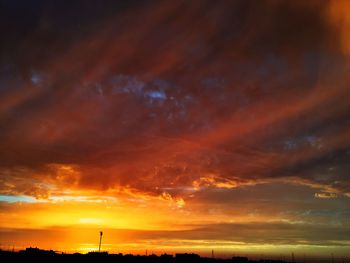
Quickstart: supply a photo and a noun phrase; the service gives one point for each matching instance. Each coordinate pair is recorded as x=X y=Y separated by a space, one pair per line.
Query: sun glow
x=175 y=125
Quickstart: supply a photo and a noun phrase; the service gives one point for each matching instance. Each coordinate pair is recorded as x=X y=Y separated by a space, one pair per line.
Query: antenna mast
x=99 y=247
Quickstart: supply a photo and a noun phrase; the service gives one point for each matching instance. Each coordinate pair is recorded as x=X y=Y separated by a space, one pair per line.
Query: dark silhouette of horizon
x=36 y=254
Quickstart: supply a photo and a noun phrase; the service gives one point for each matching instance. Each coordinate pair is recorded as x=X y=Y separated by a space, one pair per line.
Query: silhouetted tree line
x=38 y=255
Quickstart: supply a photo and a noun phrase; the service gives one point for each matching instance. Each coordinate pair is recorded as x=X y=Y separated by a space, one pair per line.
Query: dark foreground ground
x=38 y=255
x=50 y=256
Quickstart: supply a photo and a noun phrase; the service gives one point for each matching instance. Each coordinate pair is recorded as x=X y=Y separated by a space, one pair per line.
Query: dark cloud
x=272 y=202
x=154 y=95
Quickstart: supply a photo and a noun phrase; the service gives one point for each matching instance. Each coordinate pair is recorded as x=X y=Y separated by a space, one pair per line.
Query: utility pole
x=99 y=247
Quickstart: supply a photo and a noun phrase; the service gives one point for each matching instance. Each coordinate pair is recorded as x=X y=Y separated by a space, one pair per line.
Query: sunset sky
x=176 y=126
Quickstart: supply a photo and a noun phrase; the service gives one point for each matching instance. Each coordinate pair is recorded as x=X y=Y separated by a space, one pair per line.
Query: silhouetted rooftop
x=36 y=254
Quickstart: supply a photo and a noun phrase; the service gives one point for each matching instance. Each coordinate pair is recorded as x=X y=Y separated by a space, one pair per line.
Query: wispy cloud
x=194 y=107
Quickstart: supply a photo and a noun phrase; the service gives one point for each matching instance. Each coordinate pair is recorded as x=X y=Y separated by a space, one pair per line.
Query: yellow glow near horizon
x=130 y=226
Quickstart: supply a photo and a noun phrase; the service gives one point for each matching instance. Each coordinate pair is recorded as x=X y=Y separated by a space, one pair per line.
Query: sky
x=176 y=126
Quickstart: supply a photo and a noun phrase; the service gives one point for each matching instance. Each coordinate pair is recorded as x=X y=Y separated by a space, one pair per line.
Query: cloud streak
x=173 y=101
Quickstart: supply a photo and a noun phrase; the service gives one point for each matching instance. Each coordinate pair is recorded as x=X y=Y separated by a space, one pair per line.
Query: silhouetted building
x=187 y=257
x=38 y=252
x=50 y=256
x=240 y=259
x=166 y=257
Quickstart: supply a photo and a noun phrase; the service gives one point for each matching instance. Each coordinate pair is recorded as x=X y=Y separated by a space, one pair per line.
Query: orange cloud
x=165 y=116
x=339 y=15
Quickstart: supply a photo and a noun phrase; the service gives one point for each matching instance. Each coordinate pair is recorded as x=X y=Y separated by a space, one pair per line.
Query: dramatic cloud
x=202 y=104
